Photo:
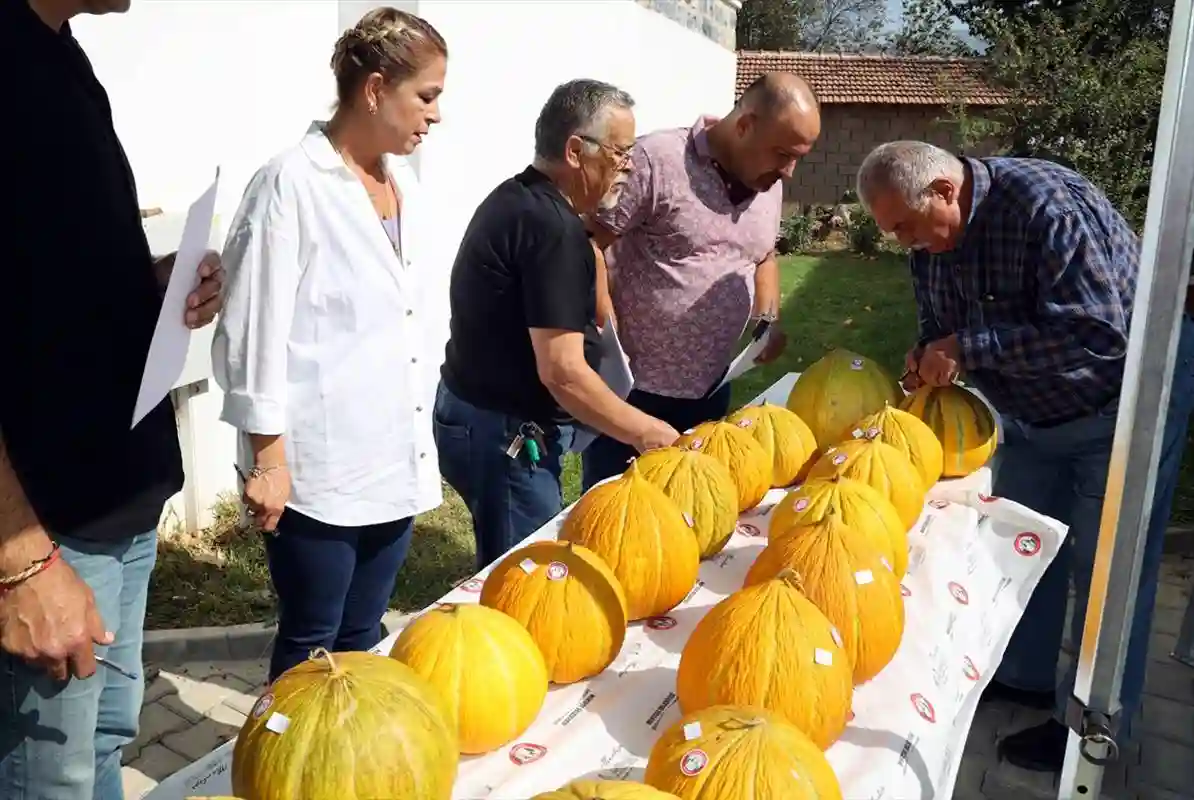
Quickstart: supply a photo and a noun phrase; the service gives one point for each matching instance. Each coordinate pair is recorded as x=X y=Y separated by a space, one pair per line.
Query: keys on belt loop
x=530 y=438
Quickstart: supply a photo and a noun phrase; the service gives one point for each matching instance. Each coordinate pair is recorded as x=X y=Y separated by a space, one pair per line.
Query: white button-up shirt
x=332 y=339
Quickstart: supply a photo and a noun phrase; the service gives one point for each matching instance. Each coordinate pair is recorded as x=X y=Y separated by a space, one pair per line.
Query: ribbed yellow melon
x=911 y=436
x=485 y=665
x=734 y=752
x=861 y=507
x=962 y=423
x=845 y=576
x=643 y=536
x=789 y=443
x=880 y=466
x=605 y=790
x=347 y=726
x=837 y=391
x=768 y=645
x=701 y=487
x=745 y=458
x=570 y=602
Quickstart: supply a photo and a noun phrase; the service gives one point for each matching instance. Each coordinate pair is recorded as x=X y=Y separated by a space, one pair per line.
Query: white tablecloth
x=974 y=562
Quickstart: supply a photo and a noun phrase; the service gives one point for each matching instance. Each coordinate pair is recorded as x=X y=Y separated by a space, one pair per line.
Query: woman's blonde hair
x=387 y=41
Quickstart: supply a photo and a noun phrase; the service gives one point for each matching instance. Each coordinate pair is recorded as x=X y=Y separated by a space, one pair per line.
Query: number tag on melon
x=863 y=577
x=278 y=723
x=528 y=566
x=823 y=657
x=692 y=731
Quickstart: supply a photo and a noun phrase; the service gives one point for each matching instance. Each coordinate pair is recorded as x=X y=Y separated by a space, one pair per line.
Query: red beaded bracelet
x=10 y=582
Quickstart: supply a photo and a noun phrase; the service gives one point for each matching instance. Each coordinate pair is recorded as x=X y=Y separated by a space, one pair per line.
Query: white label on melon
x=278 y=723
x=839 y=459
x=864 y=576
x=823 y=657
x=873 y=432
x=856 y=433
x=884 y=562
x=856 y=364
x=795 y=775
x=528 y=566
x=688 y=518
x=837 y=637
x=744 y=423
x=692 y=731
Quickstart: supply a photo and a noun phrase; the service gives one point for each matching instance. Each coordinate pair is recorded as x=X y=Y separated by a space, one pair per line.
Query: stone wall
x=714 y=19
x=849 y=132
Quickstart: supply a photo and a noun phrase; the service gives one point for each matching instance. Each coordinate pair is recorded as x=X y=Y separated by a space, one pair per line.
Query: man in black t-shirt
x=80 y=493
x=520 y=364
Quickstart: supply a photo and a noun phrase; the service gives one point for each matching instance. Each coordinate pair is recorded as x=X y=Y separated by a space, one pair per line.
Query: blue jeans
x=333 y=584
x=607 y=457
x=508 y=498
x=1062 y=472
x=63 y=741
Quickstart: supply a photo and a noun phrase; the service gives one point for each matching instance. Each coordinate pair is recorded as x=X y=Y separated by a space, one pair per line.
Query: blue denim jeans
x=1062 y=472
x=63 y=741
x=508 y=498
x=333 y=584
x=607 y=457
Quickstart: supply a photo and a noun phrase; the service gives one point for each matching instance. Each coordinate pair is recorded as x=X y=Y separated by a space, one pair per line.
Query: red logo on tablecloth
x=471 y=586
x=693 y=762
x=1028 y=544
x=660 y=623
x=987 y=498
x=940 y=505
x=968 y=668
x=924 y=708
x=959 y=593
x=905 y=591
x=749 y=529
x=525 y=753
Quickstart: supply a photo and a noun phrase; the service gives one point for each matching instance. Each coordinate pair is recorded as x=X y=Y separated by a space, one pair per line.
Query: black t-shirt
x=80 y=299
x=525 y=262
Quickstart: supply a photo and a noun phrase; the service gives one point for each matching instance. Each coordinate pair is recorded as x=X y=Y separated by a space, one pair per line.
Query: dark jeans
x=333 y=584
x=508 y=498
x=607 y=457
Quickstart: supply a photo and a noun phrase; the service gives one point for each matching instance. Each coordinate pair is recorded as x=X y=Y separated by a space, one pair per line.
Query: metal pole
x=1160 y=295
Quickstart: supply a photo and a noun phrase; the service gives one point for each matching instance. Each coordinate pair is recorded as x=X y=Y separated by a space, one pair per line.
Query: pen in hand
x=103 y=662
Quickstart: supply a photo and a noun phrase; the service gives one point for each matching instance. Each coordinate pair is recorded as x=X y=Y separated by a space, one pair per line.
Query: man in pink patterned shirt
x=689 y=246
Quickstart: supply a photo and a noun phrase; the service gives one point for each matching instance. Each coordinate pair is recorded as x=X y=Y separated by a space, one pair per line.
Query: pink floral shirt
x=682 y=269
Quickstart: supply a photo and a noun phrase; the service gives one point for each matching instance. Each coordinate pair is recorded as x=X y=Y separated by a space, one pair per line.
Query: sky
x=895 y=9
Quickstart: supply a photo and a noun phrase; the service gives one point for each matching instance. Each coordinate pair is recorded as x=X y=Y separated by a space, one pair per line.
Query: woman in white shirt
x=327 y=349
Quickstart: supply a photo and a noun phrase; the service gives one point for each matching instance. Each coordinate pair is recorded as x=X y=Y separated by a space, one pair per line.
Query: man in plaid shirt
x=1024 y=276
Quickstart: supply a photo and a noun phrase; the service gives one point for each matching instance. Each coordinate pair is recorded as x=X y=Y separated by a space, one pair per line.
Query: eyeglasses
x=623 y=155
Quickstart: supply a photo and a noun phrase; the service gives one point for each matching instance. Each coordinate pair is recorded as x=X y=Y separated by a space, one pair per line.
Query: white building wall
x=197 y=84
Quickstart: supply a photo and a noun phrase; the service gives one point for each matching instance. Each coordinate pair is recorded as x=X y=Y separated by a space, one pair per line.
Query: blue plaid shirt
x=1038 y=290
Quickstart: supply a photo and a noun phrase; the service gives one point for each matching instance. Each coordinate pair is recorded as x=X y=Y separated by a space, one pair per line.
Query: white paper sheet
x=745 y=361
x=614 y=369
x=171 y=338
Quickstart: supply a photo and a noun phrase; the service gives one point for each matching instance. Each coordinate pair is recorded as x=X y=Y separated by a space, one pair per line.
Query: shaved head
x=775 y=93
x=774 y=124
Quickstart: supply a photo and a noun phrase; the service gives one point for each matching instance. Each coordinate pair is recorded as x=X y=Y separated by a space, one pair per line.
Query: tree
x=814 y=26
x=928 y=28
x=1084 y=88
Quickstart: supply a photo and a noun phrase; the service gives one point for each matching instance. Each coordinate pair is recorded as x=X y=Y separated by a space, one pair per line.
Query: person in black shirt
x=520 y=364
x=80 y=493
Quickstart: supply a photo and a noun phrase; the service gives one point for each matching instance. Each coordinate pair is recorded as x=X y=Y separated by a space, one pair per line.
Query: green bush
x=795 y=234
x=864 y=234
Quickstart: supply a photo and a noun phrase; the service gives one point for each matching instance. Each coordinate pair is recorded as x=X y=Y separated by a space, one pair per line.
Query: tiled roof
x=887 y=80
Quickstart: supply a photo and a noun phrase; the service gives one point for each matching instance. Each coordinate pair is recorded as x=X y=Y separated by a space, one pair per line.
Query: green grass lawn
x=834 y=299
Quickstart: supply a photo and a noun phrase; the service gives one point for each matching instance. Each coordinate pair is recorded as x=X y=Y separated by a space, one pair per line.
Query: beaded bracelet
x=8 y=582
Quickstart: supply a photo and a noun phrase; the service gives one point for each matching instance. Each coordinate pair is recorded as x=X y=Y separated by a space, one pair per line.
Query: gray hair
x=908 y=168
x=576 y=108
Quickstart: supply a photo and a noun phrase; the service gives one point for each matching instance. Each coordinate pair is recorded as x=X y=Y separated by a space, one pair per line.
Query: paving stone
x=157 y=688
x=253 y=673
x=199 y=740
x=1160 y=646
x=136 y=783
x=158 y=762
x=156 y=722
x=1167 y=719
x=1006 y=782
x=969 y=784
x=1172 y=595
x=1171 y=680
x=989 y=720
x=1168 y=620
x=1154 y=793
x=242 y=703
x=1167 y=765
x=196 y=697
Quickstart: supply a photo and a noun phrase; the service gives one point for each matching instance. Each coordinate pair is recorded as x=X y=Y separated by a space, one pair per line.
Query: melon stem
x=792 y=578
x=322 y=652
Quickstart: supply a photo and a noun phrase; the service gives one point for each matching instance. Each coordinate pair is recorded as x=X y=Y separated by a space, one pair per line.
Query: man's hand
x=657 y=434
x=265 y=496
x=50 y=621
x=940 y=364
x=206 y=301
x=911 y=380
x=775 y=346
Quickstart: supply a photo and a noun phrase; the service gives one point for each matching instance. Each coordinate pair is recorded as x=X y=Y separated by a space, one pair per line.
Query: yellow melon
x=570 y=602
x=745 y=458
x=880 y=466
x=862 y=508
x=837 y=391
x=605 y=790
x=789 y=443
x=347 y=726
x=962 y=423
x=484 y=664
x=908 y=434
x=734 y=752
x=845 y=576
x=644 y=537
x=768 y=645
x=701 y=487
